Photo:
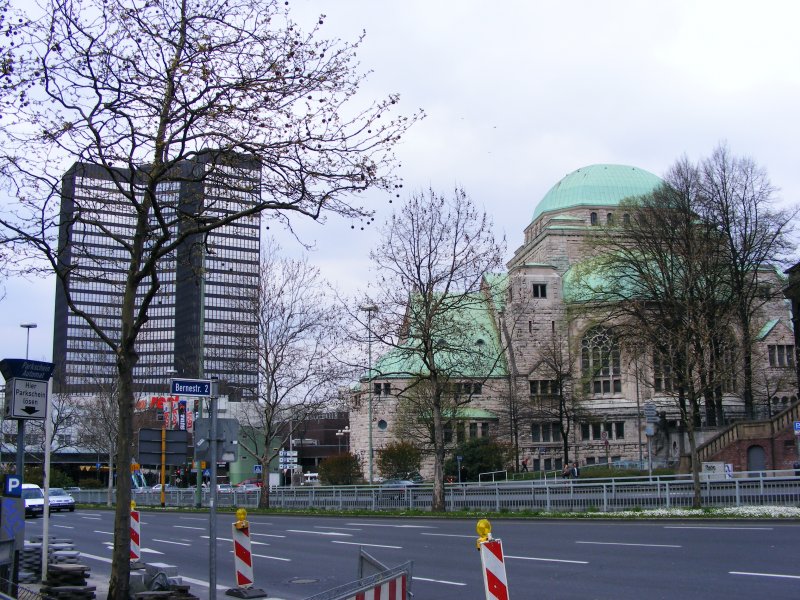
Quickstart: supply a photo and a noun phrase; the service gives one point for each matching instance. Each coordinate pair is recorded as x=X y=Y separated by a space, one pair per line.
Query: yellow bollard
x=484 y=529
x=241 y=519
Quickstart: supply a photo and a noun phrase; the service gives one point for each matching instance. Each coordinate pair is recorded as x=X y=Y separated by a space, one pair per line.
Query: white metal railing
x=601 y=494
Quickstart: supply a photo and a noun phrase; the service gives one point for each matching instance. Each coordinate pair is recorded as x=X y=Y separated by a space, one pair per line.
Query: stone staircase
x=737 y=434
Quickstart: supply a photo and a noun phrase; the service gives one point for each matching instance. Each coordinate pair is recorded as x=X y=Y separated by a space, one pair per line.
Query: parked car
x=34 y=499
x=247 y=487
x=398 y=483
x=71 y=490
x=253 y=481
x=60 y=500
x=157 y=487
x=224 y=488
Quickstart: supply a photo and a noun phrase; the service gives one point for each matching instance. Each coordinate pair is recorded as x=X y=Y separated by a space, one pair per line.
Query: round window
x=382 y=425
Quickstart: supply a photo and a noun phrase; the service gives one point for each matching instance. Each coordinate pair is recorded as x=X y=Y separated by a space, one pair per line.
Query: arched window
x=610 y=219
x=600 y=362
x=593 y=218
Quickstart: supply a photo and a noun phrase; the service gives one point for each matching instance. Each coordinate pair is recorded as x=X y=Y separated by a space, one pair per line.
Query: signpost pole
x=212 y=511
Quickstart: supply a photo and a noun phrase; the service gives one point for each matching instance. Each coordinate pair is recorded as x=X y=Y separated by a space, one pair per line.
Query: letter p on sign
x=12 y=486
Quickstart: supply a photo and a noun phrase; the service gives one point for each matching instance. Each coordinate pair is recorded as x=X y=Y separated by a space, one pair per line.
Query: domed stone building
x=564 y=372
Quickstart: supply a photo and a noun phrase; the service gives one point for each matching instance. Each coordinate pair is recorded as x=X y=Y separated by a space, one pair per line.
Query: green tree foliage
x=479 y=455
x=399 y=460
x=342 y=469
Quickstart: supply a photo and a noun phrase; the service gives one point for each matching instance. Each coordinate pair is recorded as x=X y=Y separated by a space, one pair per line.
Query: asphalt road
x=296 y=557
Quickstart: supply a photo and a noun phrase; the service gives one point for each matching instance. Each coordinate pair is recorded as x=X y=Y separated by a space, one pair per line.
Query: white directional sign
x=26 y=399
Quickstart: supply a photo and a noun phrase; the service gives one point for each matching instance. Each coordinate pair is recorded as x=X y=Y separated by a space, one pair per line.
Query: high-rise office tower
x=199 y=323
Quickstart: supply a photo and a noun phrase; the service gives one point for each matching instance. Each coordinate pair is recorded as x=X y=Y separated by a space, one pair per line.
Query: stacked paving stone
x=67 y=582
x=58 y=550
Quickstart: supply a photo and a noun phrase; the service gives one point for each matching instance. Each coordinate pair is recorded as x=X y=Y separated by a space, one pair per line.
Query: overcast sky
x=520 y=93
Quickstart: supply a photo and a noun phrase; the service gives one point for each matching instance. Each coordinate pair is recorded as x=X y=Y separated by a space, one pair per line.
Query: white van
x=34 y=499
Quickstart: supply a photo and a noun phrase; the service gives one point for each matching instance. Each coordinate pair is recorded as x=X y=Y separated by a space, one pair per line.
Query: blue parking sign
x=797 y=427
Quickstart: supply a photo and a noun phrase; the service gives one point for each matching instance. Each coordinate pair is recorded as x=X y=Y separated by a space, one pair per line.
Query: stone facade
x=608 y=424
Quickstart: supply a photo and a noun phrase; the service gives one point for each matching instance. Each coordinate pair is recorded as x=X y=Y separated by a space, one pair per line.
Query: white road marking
x=193 y=519
x=92 y=518
x=627 y=544
x=397 y=526
x=100 y=558
x=275 y=535
x=148 y=550
x=320 y=532
x=84 y=515
x=64 y=526
x=716 y=527
x=765 y=575
x=188 y=527
x=222 y=539
x=171 y=542
x=270 y=557
x=558 y=560
x=415 y=578
x=103 y=532
x=343 y=528
x=472 y=537
x=367 y=545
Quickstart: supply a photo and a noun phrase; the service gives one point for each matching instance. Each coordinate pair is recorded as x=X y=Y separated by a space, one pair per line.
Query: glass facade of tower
x=199 y=322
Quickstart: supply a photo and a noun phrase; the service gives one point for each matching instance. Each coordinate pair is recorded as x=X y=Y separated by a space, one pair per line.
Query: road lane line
x=270 y=557
x=397 y=526
x=193 y=519
x=343 y=528
x=472 y=537
x=558 y=560
x=320 y=532
x=716 y=527
x=222 y=539
x=628 y=544
x=275 y=535
x=103 y=532
x=188 y=527
x=367 y=545
x=444 y=581
x=171 y=542
x=98 y=558
x=65 y=526
x=765 y=575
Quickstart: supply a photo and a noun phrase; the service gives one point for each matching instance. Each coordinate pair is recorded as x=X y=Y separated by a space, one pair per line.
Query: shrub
x=399 y=460
x=342 y=469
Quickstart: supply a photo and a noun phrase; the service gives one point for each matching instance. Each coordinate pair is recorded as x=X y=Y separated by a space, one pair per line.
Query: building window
x=585 y=431
x=662 y=373
x=593 y=218
x=781 y=355
x=540 y=290
x=600 y=361
x=469 y=388
x=619 y=430
x=543 y=387
x=484 y=429
x=473 y=430
x=546 y=432
x=610 y=219
x=626 y=219
x=461 y=432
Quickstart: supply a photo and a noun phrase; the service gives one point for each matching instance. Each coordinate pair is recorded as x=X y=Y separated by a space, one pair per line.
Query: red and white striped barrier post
x=394 y=589
x=243 y=560
x=136 y=529
x=495 y=583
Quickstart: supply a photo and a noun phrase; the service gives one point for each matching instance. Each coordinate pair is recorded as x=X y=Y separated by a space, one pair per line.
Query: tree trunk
x=697 y=501
x=120 y=565
x=747 y=359
x=438 y=456
x=110 y=497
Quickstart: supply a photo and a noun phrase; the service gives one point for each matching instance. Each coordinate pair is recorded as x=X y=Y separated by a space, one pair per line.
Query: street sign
x=797 y=427
x=191 y=387
x=149 y=451
x=26 y=399
x=257 y=469
x=650 y=413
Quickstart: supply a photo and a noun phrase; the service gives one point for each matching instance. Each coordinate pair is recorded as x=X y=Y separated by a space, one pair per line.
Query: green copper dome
x=597 y=185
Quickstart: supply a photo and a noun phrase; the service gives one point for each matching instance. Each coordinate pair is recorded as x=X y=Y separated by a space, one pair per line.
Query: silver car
x=61 y=500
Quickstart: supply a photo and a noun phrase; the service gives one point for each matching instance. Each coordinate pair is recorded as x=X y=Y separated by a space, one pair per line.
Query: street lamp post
x=21 y=422
x=340 y=434
x=370 y=308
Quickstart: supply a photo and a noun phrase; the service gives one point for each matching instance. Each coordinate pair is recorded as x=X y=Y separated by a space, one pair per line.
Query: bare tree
x=663 y=284
x=738 y=198
x=432 y=310
x=140 y=89
x=296 y=347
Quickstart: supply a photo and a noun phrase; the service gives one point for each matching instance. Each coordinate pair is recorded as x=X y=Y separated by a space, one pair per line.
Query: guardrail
x=606 y=495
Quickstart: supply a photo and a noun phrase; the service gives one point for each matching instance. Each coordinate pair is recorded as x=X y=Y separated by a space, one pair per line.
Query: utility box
x=177 y=442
